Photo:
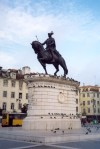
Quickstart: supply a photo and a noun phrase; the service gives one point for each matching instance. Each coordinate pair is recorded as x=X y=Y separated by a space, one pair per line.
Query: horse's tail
x=64 y=65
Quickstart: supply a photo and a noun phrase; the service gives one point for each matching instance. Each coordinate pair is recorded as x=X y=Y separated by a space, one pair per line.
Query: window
x=20 y=95
x=76 y=109
x=94 y=101
x=5 y=82
x=13 y=83
x=12 y=106
x=88 y=110
x=83 y=103
x=88 y=102
x=12 y=94
x=19 y=106
x=98 y=102
x=13 y=75
x=4 y=93
x=98 y=110
x=88 y=95
x=84 y=112
x=76 y=92
x=4 y=105
x=26 y=95
x=97 y=95
x=76 y=101
x=83 y=95
x=20 y=85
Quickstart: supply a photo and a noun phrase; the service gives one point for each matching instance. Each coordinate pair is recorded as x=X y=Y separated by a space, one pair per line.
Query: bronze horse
x=45 y=57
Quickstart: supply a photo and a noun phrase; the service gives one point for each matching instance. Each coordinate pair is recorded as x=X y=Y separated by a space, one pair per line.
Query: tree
x=0 y=112
x=24 y=108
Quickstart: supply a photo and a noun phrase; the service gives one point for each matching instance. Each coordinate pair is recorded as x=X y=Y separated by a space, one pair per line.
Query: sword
x=37 y=38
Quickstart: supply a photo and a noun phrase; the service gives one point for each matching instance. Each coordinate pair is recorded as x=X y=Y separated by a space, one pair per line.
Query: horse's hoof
x=64 y=76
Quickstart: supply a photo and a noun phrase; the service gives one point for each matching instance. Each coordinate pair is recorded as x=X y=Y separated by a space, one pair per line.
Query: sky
x=76 y=27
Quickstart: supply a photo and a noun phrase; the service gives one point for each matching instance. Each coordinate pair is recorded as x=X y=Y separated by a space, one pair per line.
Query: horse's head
x=37 y=46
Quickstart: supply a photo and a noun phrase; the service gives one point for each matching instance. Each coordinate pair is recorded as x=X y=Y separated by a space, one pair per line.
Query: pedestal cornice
x=52 y=79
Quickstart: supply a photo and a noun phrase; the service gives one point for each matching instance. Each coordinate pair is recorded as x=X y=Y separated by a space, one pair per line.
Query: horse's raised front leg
x=57 y=69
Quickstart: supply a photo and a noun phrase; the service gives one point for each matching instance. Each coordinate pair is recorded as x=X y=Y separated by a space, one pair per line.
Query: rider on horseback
x=51 y=45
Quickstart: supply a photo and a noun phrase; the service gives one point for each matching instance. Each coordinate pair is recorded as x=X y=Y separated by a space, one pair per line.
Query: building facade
x=90 y=102
x=78 y=110
x=13 y=89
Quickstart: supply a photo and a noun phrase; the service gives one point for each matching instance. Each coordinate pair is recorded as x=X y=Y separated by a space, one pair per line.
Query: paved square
x=93 y=144
x=12 y=144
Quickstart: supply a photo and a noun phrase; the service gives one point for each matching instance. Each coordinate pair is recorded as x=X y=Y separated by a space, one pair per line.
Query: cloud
x=20 y=25
x=6 y=59
x=77 y=34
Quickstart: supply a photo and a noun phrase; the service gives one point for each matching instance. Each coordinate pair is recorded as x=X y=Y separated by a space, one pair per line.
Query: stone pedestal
x=52 y=103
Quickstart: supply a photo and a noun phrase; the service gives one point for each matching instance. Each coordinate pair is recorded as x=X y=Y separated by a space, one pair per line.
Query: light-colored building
x=90 y=101
x=78 y=111
x=13 y=89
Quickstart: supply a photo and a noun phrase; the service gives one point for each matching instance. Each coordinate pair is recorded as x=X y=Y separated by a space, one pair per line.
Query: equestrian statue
x=49 y=55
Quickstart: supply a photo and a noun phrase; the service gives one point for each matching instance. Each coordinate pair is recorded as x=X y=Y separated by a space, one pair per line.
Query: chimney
x=26 y=70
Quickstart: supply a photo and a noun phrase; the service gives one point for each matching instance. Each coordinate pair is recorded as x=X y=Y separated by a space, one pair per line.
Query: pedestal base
x=50 y=123
x=52 y=103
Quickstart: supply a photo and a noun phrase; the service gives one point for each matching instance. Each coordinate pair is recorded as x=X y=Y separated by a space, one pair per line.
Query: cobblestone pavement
x=12 y=144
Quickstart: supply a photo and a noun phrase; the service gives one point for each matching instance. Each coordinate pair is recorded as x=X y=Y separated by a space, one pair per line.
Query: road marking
x=25 y=147
x=28 y=142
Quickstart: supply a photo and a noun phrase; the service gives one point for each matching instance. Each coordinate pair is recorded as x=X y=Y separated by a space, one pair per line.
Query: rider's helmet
x=51 y=33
